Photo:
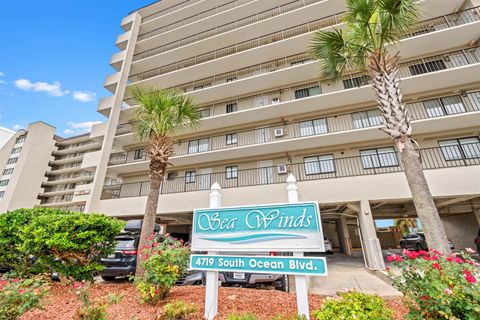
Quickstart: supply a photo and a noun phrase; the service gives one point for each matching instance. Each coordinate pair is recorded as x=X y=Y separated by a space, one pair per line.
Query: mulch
x=61 y=303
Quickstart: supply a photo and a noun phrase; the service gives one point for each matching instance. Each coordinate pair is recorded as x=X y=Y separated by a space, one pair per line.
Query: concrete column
x=477 y=212
x=101 y=171
x=371 y=244
x=344 y=236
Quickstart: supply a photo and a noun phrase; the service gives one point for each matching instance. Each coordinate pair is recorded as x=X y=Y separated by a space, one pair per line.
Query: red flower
x=424 y=297
x=428 y=258
x=458 y=260
x=434 y=257
x=388 y=269
x=394 y=257
x=411 y=254
x=437 y=266
x=469 y=277
x=449 y=259
x=15 y=280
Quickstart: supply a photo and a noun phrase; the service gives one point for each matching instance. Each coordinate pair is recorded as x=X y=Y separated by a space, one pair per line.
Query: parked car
x=417 y=241
x=123 y=262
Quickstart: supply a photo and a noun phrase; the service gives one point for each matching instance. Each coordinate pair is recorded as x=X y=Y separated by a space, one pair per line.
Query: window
x=355 y=82
x=313 y=127
x=16 y=150
x=429 y=66
x=138 y=154
x=444 y=106
x=463 y=148
x=204 y=113
x=4 y=182
x=294 y=63
x=2 y=193
x=379 y=158
x=260 y=102
x=190 y=177
x=231 y=138
x=307 y=92
x=172 y=175
x=21 y=139
x=200 y=145
x=231 y=79
x=231 y=107
x=319 y=164
x=12 y=160
x=231 y=172
x=365 y=119
x=7 y=171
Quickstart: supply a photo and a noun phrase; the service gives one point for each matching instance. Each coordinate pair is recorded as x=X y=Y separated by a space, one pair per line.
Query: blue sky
x=54 y=56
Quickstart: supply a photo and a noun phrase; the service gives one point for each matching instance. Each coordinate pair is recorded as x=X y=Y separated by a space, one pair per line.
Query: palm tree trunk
x=160 y=149
x=149 y=217
x=386 y=84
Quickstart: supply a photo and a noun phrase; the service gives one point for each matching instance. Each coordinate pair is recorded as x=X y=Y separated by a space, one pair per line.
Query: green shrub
x=354 y=305
x=18 y=296
x=88 y=310
x=41 y=239
x=289 y=317
x=242 y=317
x=438 y=286
x=163 y=262
x=178 y=310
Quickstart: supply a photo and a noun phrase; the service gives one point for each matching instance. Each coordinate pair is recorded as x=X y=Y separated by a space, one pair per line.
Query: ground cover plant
x=438 y=286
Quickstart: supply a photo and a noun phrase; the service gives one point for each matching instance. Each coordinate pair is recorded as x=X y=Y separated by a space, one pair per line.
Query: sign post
x=292 y=227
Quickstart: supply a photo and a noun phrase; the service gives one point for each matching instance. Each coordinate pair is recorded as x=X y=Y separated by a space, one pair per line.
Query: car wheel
x=282 y=284
x=108 y=278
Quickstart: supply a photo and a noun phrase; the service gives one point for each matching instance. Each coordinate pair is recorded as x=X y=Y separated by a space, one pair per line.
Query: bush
x=178 y=310
x=18 y=296
x=40 y=239
x=88 y=310
x=438 y=286
x=354 y=305
x=163 y=262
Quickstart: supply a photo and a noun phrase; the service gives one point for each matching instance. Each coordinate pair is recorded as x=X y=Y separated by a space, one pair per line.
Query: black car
x=417 y=241
x=123 y=262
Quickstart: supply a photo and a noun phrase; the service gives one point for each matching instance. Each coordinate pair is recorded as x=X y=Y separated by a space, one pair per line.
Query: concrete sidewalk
x=348 y=273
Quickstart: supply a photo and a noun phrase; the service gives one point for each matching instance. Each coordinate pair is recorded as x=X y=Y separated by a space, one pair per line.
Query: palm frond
x=162 y=112
x=396 y=17
x=329 y=48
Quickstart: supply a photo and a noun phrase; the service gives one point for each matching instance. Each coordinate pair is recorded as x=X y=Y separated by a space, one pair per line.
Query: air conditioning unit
x=282 y=169
x=279 y=133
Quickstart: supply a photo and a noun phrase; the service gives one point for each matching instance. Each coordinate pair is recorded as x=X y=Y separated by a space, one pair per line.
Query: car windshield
x=126 y=243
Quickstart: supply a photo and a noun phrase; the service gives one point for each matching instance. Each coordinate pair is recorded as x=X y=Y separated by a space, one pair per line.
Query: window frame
x=233 y=106
x=4 y=182
x=231 y=172
x=368 y=118
x=458 y=145
x=233 y=139
x=319 y=162
x=12 y=160
x=8 y=171
x=190 y=176
x=378 y=158
x=198 y=144
x=443 y=107
x=313 y=127
x=138 y=154
x=299 y=93
x=355 y=82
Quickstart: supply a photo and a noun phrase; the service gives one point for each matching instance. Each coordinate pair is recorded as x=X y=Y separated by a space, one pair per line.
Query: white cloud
x=3 y=82
x=18 y=127
x=53 y=89
x=80 y=127
x=1 y=74
x=84 y=96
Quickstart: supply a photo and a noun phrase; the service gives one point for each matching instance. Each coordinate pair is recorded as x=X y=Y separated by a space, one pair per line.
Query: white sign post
x=290 y=227
x=301 y=282
x=211 y=293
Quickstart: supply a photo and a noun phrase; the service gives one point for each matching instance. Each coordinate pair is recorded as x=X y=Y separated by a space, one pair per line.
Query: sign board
x=313 y=266
x=293 y=227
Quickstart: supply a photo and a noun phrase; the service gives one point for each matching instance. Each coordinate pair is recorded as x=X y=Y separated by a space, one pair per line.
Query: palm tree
x=159 y=115
x=367 y=42
x=406 y=225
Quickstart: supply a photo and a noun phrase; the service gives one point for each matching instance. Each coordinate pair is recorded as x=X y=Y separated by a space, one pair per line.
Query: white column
x=344 y=235
x=111 y=129
x=301 y=282
x=371 y=244
x=211 y=292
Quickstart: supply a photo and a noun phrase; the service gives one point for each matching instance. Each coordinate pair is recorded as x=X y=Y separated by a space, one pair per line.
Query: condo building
x=42 y=169
x=266 y=114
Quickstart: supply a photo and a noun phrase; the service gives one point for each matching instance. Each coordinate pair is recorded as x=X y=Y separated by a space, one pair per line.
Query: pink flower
x=469 y=277
x=470 y=250
x=21 y=291
x=411 y=254
x=394 y=257
x=458 y=260
x=388 y=269
x=436 y=266
x=15 y=280
x=448 y=291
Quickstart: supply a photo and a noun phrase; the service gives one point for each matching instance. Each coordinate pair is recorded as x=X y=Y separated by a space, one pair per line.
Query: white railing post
x=211 y=292
x=301 y=282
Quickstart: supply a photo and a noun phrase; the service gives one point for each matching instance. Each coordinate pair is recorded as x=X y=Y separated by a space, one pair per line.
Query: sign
x=293 y=227
x=313 y=266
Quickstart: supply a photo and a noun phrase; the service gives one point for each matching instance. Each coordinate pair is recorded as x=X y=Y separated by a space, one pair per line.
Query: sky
x=54 y=57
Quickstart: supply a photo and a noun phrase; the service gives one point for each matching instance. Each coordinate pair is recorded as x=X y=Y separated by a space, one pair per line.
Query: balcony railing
x=168 y=10
x=432 y=158
x=267 y=14
x=432 y=108
x=435 y=24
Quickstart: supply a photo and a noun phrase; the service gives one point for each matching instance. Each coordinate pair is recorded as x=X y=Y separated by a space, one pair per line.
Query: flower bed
x=62 y=303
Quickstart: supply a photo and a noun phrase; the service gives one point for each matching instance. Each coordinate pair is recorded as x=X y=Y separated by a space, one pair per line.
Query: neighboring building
x=42 y=169
x=5 y=135
x=266 y=114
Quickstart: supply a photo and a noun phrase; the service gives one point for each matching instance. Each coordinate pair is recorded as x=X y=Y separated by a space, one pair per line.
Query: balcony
x=127 y=22
x=212 y=32
x=431 y=25
x=117 y=60
x=111 y=82
x=105 y=104
x=122 y=40
x=436 y=108
x=91 y=160
x=98 y=131
x=57 y=180
x=432 y=158
x=88 y=145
